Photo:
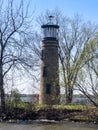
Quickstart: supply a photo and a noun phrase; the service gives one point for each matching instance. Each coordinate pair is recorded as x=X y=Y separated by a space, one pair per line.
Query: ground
x=57 y=113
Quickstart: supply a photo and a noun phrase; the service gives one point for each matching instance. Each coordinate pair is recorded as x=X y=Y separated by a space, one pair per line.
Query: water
x=47 y=126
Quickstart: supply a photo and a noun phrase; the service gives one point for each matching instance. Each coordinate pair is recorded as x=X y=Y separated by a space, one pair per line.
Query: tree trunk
x=2 y=94
x=69 y=95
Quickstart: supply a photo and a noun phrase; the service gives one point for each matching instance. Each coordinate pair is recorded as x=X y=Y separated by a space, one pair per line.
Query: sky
x=87 y=8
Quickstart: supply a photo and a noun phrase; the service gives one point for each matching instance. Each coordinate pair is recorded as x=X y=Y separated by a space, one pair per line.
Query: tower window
x=42 y=55
x=44 y=71
x=48 y=88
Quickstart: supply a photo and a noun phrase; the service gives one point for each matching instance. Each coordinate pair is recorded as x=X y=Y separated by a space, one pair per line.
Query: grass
x=71 y=106
x=36 y=106
x=83 y=119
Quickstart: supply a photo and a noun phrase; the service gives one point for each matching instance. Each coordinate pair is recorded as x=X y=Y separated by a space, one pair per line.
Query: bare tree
x=88 y=84
x=15 y=41
x=75 y=43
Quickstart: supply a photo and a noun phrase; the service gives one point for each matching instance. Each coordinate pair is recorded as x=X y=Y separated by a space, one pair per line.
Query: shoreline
x=50 y=115
x=46 y=121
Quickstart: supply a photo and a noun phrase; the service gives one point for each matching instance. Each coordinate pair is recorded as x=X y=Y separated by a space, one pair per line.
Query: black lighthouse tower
x=49 y=78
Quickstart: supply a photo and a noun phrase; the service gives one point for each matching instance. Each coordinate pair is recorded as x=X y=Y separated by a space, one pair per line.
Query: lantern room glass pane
x=50 y=32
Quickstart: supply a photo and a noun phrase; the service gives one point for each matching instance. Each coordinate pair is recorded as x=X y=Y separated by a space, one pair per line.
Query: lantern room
x=50 y=30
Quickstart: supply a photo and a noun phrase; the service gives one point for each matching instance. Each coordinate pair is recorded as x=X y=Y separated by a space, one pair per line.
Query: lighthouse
x=49 y=77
